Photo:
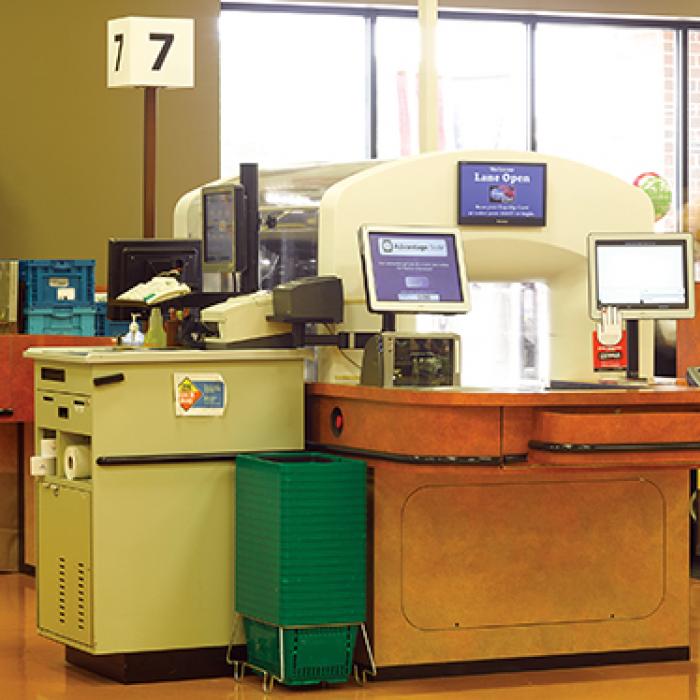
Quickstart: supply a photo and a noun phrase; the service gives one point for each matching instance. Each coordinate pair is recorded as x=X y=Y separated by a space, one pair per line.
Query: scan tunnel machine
x=423 y=190
x=327 y=205
x=462 y=459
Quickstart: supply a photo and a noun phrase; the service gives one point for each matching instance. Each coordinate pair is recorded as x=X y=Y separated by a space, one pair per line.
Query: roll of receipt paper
x=48 y=447
x=77 y=462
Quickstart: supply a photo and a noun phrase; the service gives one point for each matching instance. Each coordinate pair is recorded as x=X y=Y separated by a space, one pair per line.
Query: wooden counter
x=513 y=530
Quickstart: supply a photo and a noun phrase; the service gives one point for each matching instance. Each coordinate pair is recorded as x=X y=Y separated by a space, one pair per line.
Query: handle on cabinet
x=109 y=379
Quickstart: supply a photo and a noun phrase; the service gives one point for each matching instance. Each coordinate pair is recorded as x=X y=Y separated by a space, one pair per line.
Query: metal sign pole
x=150 y=104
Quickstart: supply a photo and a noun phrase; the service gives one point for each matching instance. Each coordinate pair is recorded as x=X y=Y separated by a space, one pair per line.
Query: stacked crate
x=58 y=296
x=107 y=327
x=300 y=563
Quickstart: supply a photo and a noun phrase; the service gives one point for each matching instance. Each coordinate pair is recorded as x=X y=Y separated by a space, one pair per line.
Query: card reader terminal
x=397 y=359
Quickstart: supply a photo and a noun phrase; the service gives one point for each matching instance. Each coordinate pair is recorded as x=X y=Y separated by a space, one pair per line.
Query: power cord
x=332 y=331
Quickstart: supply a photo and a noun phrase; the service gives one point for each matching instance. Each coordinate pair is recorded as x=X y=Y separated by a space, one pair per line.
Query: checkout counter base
x=482 y=568
x=154 y=666
x=532 y=663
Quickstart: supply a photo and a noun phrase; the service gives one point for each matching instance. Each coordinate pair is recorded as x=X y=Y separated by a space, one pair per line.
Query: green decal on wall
x=658 y=190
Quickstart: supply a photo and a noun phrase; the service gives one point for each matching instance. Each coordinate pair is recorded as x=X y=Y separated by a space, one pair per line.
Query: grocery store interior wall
x=71 y=150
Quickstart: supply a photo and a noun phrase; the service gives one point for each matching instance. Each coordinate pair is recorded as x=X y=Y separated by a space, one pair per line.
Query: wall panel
x=71 y=150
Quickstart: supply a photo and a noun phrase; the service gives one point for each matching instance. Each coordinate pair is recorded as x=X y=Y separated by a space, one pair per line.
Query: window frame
x=530 y=20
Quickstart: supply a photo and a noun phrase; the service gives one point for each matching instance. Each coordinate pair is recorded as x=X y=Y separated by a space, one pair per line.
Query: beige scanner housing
x=324 y=206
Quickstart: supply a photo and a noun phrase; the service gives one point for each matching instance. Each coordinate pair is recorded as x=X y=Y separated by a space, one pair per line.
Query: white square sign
x=150 y=52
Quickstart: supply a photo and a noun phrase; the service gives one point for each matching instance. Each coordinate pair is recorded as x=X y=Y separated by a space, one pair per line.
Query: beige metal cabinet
x=139 y=556
x=64 y=583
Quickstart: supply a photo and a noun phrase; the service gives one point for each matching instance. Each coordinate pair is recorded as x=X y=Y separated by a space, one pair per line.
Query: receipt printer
x=309 y=300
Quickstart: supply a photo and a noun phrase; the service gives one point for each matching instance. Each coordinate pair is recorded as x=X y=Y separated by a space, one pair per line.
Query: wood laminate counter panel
x=664 y=394
x=520 y=553
x=510 y=427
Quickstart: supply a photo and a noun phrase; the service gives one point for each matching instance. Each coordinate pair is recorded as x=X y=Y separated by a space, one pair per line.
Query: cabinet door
x=64 y=567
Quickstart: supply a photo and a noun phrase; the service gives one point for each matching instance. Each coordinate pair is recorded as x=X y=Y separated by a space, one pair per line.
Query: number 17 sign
x=150 y=52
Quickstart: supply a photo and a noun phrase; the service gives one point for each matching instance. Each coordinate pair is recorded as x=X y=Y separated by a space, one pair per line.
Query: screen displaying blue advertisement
x=415 y=268
x=502 y=194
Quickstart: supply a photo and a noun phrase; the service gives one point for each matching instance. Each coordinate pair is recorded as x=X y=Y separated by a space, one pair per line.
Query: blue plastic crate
x=106 y=327
x=60 y=321
x=100 y=317
x=112 y=329
x=57 y=282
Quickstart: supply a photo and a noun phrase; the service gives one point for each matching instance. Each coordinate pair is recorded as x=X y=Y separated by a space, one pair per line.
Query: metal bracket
x=362 y=674
x=693 y=506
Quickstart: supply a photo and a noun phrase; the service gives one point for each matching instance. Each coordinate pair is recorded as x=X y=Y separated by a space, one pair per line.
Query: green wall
x=71 y=151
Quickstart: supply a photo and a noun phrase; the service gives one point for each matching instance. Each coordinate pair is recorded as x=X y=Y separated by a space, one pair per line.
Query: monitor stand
x=388 y=321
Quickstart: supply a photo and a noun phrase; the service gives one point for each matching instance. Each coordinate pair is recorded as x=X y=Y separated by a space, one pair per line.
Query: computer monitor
x=502 y=194
x=134 y=260
x=643 y=275
x=413 y=269
x=219 y=228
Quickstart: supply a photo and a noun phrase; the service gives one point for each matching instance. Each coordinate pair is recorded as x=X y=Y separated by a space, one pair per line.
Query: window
x=694 y=130
x=298 y=85
x=397 y=56
x=301 y=85
x=515 y=350
x=293 y=88
x=606 y=97
x=482 y=92
x=483 y=74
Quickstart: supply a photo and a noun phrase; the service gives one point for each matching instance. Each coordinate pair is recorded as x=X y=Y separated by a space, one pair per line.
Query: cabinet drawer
x=67 y=412
x=616 y=438
x=63 y=377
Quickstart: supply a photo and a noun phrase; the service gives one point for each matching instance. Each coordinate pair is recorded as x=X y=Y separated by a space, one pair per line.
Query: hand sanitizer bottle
x=134 y=336
x=155 y=335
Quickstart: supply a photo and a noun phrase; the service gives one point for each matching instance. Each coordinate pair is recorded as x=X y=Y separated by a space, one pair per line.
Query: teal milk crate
x=57 y=282
x=301 y=539
x=106 y=327
x=100 y=317
x=304 y=656
x=114 y=329
x=60 y=321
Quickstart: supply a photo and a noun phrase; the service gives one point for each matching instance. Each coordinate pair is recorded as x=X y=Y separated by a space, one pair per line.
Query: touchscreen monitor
x=414 y=269
x=644 y=275
x=218 y=227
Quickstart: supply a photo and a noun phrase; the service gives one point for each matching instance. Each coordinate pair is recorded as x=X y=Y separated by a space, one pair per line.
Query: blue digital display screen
x=415 y=268
x=502 y=194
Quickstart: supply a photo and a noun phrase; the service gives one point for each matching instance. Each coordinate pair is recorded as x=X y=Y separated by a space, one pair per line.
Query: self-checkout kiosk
x=636 y=277
x=310 y=218
x=508 y=527
x=412 y=270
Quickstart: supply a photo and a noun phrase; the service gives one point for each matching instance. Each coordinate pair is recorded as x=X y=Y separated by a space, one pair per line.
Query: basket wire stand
x=268 y=679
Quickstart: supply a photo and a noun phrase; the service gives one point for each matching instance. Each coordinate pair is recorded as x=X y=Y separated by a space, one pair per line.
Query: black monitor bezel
x=218 y=265
x=538 y=222
x=119 y=248
x=376 y=305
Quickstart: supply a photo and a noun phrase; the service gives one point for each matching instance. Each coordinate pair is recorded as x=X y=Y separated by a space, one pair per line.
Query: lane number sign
x=150 y=52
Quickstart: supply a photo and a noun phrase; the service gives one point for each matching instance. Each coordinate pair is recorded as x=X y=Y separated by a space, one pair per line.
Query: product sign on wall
x=150 y=52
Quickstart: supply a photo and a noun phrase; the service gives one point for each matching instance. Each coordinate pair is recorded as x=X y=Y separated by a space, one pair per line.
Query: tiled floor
x=32 y=668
